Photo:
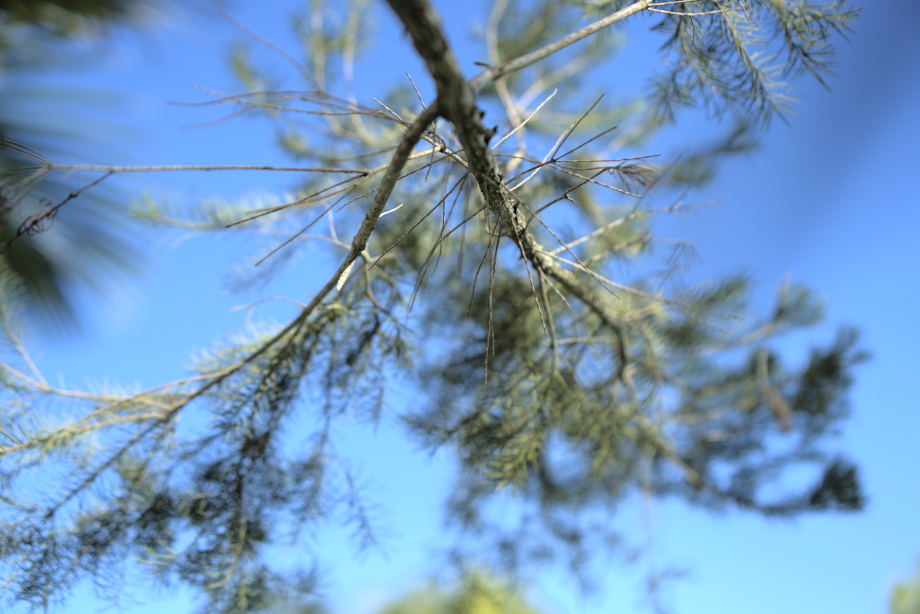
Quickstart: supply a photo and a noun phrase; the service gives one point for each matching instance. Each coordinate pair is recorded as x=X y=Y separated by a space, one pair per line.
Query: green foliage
x=87 y=247
x=905 y=596
x=27 y=26
x=86 y=250
x=546 y=376
x=724 y=58
x=59 y=12
x=475 y=593
x=202 y=509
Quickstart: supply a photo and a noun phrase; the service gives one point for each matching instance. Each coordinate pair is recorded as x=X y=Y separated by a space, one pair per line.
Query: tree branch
x=493 y=73
x=458 y=105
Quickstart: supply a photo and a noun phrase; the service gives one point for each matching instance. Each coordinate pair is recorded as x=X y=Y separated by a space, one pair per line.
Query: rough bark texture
x=457 y=100
x=410 y=139
x=458 y=106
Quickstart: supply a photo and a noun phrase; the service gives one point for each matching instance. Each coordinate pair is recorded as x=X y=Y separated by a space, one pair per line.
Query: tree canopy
x=547 y=364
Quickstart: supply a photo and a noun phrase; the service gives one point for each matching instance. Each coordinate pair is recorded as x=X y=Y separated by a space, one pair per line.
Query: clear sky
x=831 y=201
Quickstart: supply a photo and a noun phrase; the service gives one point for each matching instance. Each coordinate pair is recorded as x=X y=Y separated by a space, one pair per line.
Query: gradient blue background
x=831 y=201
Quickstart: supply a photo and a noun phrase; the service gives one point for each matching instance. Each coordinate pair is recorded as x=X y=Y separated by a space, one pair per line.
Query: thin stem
x=493 y=73
x=179 y=167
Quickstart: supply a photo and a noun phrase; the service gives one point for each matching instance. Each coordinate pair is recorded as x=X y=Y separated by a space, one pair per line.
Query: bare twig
x=493 y=73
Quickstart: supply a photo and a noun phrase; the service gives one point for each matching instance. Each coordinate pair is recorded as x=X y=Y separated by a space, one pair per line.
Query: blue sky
x=830 y=201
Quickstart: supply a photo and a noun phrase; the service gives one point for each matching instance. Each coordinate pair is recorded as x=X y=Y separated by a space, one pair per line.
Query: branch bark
x=457 y=101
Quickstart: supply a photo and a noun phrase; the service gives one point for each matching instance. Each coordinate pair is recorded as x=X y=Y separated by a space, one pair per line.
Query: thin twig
x=491 y=74
x=287 y=56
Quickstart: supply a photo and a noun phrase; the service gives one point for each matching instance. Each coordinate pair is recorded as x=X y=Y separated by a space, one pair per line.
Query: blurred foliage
x=87 y=249
x=905 y=596
x=32 y=31
x=475 y=593
x=64 y=16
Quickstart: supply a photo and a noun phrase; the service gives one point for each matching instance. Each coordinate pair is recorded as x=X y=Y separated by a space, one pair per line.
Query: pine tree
x=543 y=373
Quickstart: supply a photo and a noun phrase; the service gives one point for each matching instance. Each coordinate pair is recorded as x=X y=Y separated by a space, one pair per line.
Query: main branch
x=457 y=101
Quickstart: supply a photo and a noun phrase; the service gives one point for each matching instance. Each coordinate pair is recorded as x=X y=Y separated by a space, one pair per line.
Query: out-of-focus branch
x=494 y=72
x=102 y=168
x=159 y=419
x=511 y=107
